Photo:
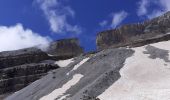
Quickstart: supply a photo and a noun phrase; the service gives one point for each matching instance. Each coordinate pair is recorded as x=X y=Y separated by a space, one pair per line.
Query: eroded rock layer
x=133 y=33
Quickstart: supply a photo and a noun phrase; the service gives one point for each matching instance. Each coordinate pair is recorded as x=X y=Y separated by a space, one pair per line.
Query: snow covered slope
x=141 y=73
x=145 y=75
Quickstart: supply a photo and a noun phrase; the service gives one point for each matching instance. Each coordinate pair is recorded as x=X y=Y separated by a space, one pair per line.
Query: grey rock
x=15 y=78
x=65 y=48
x=99 y=72
x=23 y=56
x=157 y=53
x=133 y=33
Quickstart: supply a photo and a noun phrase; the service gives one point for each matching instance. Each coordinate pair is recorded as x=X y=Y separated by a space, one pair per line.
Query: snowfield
x=145 y=75
x=59 y=92
x=64 y=63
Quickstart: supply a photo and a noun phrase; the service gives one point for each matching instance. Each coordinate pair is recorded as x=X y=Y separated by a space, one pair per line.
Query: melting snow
x=60 y=91
x=142 y=78
x=64 y=63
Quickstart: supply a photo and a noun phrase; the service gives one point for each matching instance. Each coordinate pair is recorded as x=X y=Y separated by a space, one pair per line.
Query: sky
x=27 y=23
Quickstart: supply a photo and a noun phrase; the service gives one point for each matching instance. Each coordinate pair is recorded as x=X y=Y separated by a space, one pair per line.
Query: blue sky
x=25 y=23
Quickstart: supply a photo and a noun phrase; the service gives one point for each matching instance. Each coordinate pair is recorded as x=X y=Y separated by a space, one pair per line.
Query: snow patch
x=142 y=78
x=50 y=55
x=60 y=91
x=79 y=64
x=64 y=63
x=64 y=97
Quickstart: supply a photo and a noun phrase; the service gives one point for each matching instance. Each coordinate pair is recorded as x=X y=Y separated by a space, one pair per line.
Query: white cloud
x=144 y=5
x=57 y=15
x=118 y=18
x=155 y=13
x=142 y=10
x=16 y=37
x=103 y=23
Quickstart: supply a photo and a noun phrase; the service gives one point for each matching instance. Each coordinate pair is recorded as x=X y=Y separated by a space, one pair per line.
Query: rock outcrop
x=23 y=56
x=65 y=48
x=15 y=78
x=19 y=68
x=128 y=34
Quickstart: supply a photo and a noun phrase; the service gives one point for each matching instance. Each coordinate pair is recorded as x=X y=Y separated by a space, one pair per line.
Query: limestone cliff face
x=15 y=78
x=65 y=47
x=128 y=34
x=23 y=56
x=19 y=68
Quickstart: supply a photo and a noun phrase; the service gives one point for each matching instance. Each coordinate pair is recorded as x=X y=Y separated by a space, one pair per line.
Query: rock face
x=128 y=34
x=65 y=48
x=21 y=67
x=23 y=56
x=15 y=78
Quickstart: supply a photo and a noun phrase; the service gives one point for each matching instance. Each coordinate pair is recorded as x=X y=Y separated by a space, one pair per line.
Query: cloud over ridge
x=116 y=19
x=145 y=10
x=16 y=37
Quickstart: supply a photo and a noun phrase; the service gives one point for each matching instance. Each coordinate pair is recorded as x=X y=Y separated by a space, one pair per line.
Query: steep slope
x=145 y=75
x=21 y=67
x=140 y=73
x=84 y=79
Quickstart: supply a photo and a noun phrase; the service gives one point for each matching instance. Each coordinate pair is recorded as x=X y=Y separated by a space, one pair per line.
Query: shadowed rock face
x=19 y=68
x=23 y=56
x=66 y=48
x=128 y=34
x=15 y=78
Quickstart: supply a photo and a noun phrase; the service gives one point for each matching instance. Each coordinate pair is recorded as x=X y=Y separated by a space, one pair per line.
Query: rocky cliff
x=134 y=33
x=23 y=56
x=19 y=68
x=65 y=47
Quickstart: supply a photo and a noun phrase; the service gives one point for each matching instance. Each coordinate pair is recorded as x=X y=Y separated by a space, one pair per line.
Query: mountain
x=132 y=63
x=136 y=34
x=65 y=47
x=19 y=68
x=140 y=73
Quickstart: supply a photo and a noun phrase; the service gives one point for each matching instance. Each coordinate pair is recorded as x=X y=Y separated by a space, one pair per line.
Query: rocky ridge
x=65 y=47
x=19 y=68
x=134 y=33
